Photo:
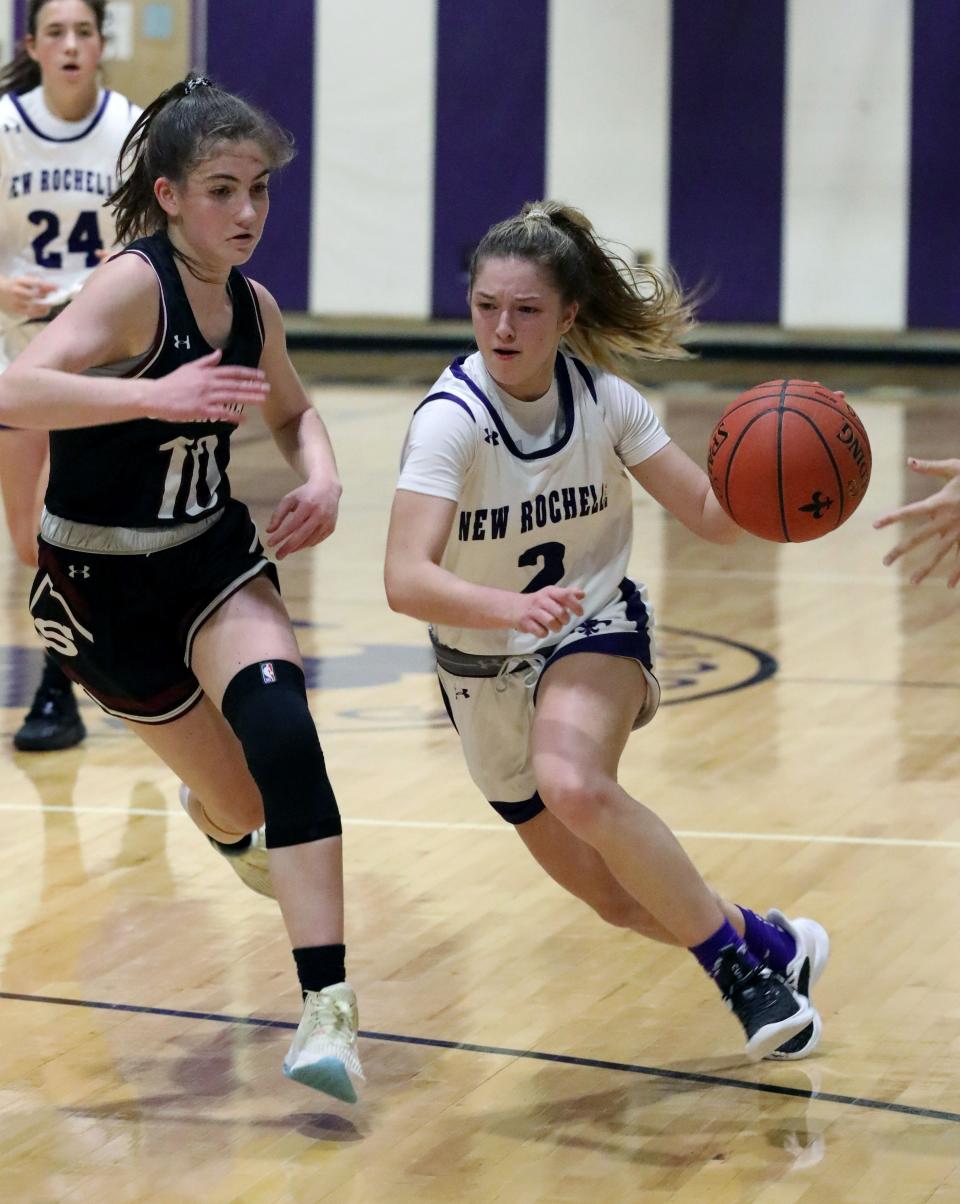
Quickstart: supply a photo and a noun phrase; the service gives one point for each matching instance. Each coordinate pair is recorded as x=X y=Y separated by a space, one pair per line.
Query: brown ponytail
x=181 y=128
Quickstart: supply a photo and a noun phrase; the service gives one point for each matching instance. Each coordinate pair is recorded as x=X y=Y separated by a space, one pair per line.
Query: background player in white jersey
x=510 y=534
x=60 y=134
x=153 y=587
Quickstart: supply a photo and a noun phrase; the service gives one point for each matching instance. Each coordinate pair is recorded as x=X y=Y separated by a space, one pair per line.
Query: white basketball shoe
x=323 y=1054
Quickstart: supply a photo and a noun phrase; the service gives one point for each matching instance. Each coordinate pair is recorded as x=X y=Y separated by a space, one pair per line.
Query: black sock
x=54 y=677
x=320 y=966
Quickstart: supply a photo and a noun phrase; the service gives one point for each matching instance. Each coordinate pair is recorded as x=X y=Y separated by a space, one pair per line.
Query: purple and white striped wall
x=793 y=157
x=766 y=148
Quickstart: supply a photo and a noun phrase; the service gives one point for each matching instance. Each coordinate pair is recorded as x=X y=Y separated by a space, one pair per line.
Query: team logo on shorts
x=49 y=609
x=268 y=673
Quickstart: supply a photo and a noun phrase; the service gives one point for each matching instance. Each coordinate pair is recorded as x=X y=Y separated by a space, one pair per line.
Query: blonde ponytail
x=624 y=312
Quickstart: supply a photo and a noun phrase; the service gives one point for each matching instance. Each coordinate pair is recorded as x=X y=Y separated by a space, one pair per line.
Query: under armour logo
x=181 y=340
x=82 y=571
x=490 y=436
x=818 y=505
x=268 y=673
x=461 y=694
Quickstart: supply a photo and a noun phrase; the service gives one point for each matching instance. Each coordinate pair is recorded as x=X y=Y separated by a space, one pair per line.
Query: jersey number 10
x=193 y=475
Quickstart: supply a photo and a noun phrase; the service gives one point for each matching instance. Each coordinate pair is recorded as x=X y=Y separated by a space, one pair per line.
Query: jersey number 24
x=83 y=239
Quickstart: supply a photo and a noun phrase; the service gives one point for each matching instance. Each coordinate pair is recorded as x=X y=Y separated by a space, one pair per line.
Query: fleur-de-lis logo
x=818 y=505
x=592 y=626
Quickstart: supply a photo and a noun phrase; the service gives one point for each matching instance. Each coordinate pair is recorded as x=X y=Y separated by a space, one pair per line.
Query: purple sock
x=773 y=946
x=708 y=953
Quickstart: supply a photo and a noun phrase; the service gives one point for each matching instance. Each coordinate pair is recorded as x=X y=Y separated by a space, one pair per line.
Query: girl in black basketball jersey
x=57 y=126
x=153 y=590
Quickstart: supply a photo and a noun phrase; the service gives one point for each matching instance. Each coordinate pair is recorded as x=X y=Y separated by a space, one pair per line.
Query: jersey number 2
x=84 y=238
x=552 y=556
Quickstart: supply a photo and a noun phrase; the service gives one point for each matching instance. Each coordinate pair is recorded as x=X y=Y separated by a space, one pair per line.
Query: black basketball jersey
x=147 y=473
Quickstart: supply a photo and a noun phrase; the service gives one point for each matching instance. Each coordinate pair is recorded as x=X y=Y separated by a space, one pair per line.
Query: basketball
x=789 y=460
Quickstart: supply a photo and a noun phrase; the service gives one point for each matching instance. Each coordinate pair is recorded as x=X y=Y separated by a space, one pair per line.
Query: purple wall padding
x=933 y=269
x=272 y=65
x=726 y=154
x=490 y=132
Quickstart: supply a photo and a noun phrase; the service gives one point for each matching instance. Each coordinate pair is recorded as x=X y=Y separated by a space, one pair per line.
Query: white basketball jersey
x=54 y=179
x=561 y=515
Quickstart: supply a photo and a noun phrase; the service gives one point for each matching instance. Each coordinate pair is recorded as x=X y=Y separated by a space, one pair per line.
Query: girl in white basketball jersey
x=510 y=534
x=60 y=134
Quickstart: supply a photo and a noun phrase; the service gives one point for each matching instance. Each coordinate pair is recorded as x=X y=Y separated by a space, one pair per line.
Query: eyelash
x=223 y=191
x=488 y=306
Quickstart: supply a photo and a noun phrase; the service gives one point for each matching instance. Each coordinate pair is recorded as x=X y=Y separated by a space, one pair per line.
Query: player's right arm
x=21 y=296
x=438 y=454
x=113 y=318
x=419 y=586
x=24 y=296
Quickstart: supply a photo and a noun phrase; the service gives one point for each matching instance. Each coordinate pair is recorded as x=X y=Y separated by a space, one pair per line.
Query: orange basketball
x=789 y=460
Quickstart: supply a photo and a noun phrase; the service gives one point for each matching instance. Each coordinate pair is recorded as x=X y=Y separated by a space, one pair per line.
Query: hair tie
x=198 y=81
x=537 y=213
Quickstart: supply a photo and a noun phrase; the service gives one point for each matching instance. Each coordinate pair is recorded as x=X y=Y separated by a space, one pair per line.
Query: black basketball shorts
x=122 y=624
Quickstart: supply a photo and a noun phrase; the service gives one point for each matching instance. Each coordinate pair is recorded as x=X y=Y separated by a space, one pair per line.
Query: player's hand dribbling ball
x=789 y=460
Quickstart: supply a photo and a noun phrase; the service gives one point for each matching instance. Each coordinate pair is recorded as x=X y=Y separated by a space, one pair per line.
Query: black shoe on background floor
x=53 y=722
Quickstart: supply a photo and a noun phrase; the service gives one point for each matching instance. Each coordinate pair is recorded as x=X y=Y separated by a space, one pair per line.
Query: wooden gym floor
x=516 y=1048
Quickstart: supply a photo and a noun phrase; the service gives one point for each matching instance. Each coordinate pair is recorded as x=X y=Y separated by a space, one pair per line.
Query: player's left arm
x=682 y=487
x=307 y=514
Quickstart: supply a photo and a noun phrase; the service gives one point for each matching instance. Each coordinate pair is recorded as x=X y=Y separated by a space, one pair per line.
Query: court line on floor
x=788 y=679
x=657 y=1072
x=893 y=842
x=789 y=577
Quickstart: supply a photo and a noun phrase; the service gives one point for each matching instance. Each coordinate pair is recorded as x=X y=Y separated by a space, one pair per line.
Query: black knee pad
x=266 y=705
